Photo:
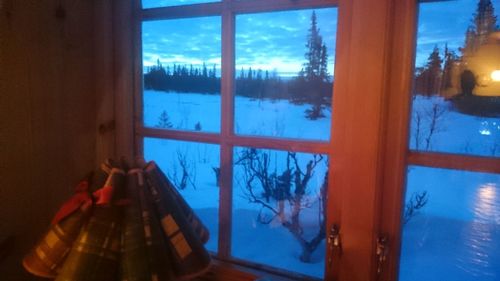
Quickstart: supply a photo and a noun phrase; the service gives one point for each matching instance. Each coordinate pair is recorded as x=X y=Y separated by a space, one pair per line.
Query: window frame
x=397 y=156
x=226 y=138
x=368 y=167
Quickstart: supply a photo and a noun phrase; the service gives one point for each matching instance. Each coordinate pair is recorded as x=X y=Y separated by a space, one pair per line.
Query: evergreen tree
x=164 y=121
x=450 y=58
x=312 y=83
x=470 y=36
x=485 y=22
x=429 y=80
x=485 y=18
x=316 y=56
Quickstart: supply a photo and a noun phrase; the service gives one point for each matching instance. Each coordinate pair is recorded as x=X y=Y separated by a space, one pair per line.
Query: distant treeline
x=257 y=84
x=182 y=79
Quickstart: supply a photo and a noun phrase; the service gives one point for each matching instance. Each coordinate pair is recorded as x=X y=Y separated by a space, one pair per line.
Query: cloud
x=269 y=41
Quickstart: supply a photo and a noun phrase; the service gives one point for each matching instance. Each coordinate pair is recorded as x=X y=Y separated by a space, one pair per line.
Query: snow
x=456 y=236
x=457 y=132
x=274 y=118
x=251 y=240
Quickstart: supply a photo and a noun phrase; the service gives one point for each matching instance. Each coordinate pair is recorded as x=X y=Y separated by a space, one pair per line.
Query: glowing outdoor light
x=495 y=75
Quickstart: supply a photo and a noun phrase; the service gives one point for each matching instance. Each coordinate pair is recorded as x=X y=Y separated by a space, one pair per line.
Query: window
x=237 y=110
x=450 y=222
x=380 y=142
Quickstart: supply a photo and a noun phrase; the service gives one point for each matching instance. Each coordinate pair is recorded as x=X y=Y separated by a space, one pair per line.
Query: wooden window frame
x=397 y=156
x=226 y=139
x=375 y=51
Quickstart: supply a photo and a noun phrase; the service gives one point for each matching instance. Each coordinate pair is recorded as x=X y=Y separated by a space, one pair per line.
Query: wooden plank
x=186 y=11
x=262 y=6
x=238 y=7
x=224 y=271
x=138 y=79
x=339 y=126
x=104 y=76
x=396 y=122
x=227 y=125
x=455 y=161
x=123 y=77
x=297 y=145
x=48 y=108
x=359 y=108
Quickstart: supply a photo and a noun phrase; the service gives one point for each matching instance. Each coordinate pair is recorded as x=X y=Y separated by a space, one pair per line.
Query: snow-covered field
x=454 y=237
x=278 y=118
x=454 y=132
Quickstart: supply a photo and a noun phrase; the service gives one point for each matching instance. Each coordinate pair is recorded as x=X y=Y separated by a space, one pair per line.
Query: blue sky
x=276 y=41
x=445 y=22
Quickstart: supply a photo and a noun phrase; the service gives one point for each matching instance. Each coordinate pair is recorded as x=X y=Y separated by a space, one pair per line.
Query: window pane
x=164 y=3
x=181 y=61
x=193 y=169
x=452 y=226
x=284 y=73
x=456 y=102
x=279 y=202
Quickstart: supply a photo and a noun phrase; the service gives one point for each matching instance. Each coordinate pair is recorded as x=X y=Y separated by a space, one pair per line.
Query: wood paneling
x=48 y=114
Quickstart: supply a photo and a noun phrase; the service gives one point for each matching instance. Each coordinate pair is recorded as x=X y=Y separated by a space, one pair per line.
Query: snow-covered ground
x=454 y=237
x=454 y=132
x=278 y=118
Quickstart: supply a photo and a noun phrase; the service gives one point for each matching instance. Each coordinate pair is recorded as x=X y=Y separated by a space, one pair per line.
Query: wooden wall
x=48 y=114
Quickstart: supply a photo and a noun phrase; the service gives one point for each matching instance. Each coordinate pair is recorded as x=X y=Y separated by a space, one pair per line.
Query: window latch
x=382 y=252
x=335 y=245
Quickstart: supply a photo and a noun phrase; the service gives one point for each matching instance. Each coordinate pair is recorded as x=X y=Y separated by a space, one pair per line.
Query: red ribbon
x=83 y=200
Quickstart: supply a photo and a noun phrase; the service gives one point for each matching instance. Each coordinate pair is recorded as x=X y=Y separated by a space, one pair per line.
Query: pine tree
x=164 y=121
x=450 y=58
x=315 y=58
x=312 y=82
x=429 y=80
x=485 y=22
x=485 y=19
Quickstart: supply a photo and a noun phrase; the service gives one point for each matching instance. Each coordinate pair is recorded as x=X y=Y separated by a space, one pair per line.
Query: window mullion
x=227 y=125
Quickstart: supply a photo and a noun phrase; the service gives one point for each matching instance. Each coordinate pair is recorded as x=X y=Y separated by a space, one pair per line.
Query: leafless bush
x=417 y=201
x=281 y=190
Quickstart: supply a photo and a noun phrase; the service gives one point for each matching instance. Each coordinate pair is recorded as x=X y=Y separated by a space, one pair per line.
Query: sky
x=276 y=41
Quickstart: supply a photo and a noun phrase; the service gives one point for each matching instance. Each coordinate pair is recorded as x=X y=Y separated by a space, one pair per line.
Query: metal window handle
x=382 y=252
x=334 y=242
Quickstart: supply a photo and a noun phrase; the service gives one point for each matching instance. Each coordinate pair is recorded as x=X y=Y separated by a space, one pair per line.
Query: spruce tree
x=485 y=18
x=316 y=56
x=433 y=72
x=164 y=121
x=314 y=75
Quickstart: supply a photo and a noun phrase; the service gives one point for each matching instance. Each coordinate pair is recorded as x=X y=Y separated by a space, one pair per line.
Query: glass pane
x=452 y=226
x=164 y=3
x=181 y=60
x=456 y=102
x=284 y=73
x=193 y=169
x=278 y=204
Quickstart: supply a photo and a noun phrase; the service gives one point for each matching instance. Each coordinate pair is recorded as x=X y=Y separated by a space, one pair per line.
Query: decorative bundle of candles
x=122 y=224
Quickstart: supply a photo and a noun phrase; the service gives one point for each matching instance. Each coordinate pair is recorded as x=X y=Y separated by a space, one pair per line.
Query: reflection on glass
x=279 y=209
x=284 y=73
x=456 y=103
x=452 y=226
x=181 y=60
x=193 y=169
x=164 y=3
